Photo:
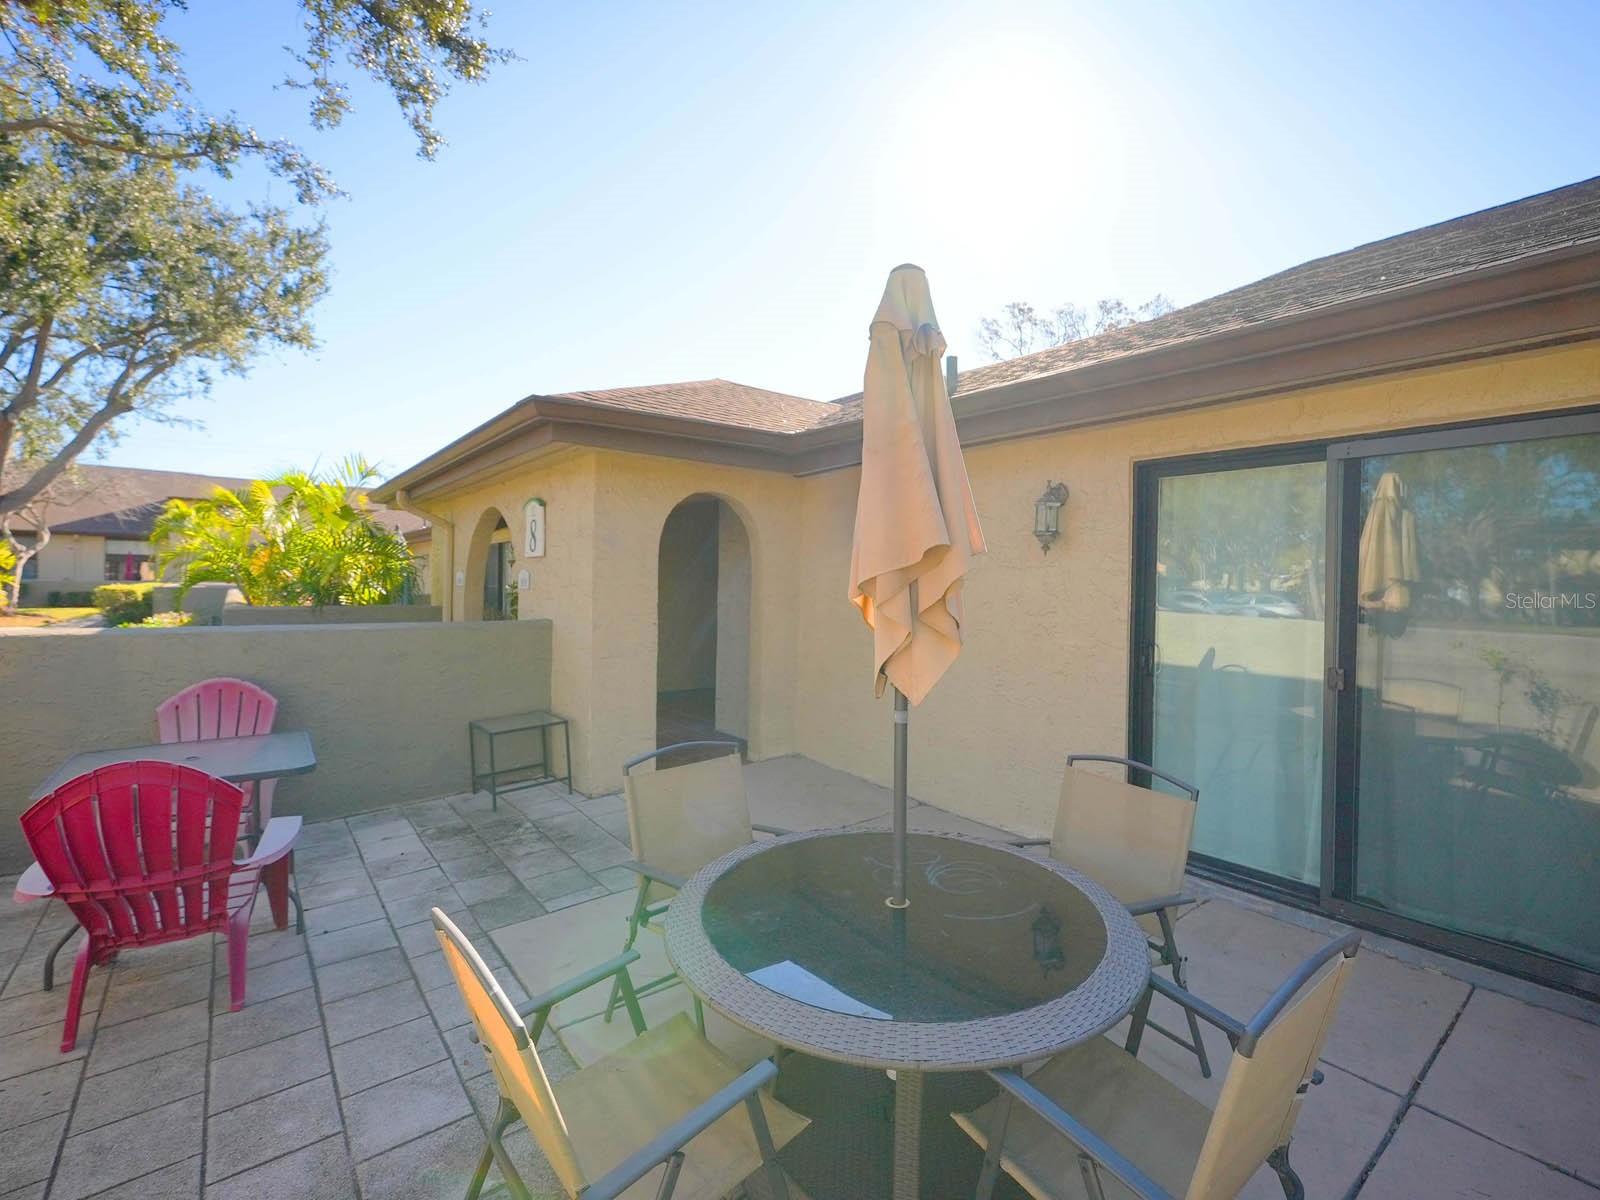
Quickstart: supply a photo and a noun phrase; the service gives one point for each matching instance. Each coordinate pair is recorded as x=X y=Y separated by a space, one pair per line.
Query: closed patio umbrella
x=916 y=527
x=1388 y=562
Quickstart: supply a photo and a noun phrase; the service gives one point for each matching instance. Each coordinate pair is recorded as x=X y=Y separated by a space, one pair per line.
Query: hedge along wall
x=387 y=706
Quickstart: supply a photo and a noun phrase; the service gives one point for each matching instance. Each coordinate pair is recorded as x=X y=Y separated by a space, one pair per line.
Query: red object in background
x=130 y=569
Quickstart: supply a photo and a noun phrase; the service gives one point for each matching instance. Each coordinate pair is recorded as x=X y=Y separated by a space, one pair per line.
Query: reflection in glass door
x=1475 y=647
x=1234 y=658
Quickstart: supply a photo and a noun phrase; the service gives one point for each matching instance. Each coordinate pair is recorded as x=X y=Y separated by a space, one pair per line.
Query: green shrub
x=166 y=620
x=125 y=603
x=70 y=600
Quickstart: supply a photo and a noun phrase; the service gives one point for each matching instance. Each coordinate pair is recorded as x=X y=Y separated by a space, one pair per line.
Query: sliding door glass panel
x=1477 y=805
x=1237 y=690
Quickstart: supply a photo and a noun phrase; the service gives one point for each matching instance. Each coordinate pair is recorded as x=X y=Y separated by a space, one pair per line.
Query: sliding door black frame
x=1334 y=894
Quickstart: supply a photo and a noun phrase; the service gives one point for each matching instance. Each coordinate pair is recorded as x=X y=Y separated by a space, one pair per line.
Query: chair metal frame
x=645 y=914
x=1096 y=1155
x=667 y=1146
x=1162 y=908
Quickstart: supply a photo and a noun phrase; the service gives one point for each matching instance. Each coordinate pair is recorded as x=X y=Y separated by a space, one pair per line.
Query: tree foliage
x=1023 y=329
x=298 y=538
x=124 y=285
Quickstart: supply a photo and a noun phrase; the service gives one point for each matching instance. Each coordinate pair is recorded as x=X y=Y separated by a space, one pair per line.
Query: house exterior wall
x=1045 y=668
x=69 y=562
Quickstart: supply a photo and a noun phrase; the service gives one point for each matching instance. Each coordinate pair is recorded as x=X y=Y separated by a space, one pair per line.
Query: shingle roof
x=1552 y=220
x=717 y=400
x=121 y=501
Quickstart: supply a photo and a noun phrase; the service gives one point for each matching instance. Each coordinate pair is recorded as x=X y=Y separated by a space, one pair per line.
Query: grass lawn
x=25 y=618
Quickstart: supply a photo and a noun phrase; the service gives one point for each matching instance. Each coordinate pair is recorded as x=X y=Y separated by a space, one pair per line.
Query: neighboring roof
x=1467 y=270
x=121 y=501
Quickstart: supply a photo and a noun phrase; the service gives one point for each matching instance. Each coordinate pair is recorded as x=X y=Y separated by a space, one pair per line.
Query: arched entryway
x=491 y=587
x=703 y=623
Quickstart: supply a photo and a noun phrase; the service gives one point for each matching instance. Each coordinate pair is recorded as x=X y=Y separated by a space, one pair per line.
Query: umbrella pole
x=902 y=719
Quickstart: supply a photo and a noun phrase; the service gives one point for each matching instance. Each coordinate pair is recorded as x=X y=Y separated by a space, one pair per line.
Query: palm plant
x=298 y=538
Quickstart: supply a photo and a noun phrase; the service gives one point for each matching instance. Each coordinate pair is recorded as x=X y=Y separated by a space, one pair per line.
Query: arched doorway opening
x=703 y=624
x=491 y=587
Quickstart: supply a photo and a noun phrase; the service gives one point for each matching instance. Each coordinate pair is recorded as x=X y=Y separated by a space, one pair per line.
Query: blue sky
x=660 y=191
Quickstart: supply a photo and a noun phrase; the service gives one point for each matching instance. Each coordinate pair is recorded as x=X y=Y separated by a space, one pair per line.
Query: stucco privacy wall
x=1045 y=669
x=386 y=705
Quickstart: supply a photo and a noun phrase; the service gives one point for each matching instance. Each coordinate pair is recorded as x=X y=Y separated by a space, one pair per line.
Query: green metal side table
x=493 y=772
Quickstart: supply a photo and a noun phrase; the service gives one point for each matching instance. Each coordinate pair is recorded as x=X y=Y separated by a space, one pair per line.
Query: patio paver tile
x=266 y=946
x=354 y=975
x=146 y=1037
x=420 y=939
x=487 y=886
x=32 y=1049
x=140 y=1087
x=39 y=1094
x=264 y=1129
x=263 y=981
x=593 y=892
x=511 y=908
x=180 y=1181
x=387 y=1054
x=412 y=884
x=334 y=891
x=368 y=1012
x=557 y=883
x=1527 y=1077
x=412 y=859
x=392 y=1113
x=256 y=1024
x=447 y=1007
x=433 y=1167
x=1435 y=1158
x=272 y=1067
x=320 y=1171
x=609 y=853
x=408 y=910
x=616 y=879
x=351 y=943
x=30 y=1151
x=128 y=1149
x=342 y=915
x=148 y=962
x=33 y=1009
x=468 y=1054
x=473 y=865
x=1390 y=1020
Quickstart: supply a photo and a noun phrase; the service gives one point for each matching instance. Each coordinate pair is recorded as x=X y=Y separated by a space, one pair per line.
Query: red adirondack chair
x=143 y=853
x=226 y=708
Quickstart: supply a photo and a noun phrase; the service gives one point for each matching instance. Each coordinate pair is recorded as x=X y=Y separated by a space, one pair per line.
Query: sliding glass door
x=1380 y=663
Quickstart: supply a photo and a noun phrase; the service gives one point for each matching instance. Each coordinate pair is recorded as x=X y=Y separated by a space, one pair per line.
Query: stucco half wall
x=387 y=706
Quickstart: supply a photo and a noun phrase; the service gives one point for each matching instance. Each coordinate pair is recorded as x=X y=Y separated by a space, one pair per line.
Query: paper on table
x=792 y=980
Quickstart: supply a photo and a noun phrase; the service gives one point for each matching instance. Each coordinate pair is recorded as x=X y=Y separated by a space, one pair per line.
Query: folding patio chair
x=654 y=1118
x=1134 y=841
x=142 y=853
x=679 y=819
x=1094 y=1122
x=227 y=708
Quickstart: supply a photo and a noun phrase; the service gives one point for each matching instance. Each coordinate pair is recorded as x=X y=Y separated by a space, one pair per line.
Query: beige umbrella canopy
x=916 y=526
x=1388 y=564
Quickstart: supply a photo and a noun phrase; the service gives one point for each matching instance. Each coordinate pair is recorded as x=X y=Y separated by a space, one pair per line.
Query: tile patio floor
x=349 y=1073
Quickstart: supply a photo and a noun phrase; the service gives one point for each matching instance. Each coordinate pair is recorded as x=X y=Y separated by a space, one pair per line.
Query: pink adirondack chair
x=143 y=854
x=225 y=708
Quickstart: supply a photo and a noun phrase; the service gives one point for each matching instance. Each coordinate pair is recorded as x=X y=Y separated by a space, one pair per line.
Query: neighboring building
x=1432 y=773
x=99 y=519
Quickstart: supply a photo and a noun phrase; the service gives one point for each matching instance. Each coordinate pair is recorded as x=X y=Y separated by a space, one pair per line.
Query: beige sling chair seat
x=655 y=1118
x=679 y=819
x=1133 y=841
x=1094 y=1123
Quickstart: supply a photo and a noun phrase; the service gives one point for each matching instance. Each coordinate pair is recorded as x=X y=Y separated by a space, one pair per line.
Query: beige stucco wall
x=733 y=624
x=386 y=705
x=1046 y=663
x=1045 y=668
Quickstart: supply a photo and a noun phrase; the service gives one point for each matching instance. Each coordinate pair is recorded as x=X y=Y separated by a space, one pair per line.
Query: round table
x=1001 y=957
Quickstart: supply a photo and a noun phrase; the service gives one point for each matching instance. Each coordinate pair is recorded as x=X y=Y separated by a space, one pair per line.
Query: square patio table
x=540 y=721
x=1000 y=958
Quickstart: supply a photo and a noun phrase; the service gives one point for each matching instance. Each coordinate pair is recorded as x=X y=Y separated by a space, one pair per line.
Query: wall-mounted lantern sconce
x=1047 y=514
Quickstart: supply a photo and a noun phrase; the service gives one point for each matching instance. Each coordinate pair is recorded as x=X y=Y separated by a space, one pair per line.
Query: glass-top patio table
x=1000 y=958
